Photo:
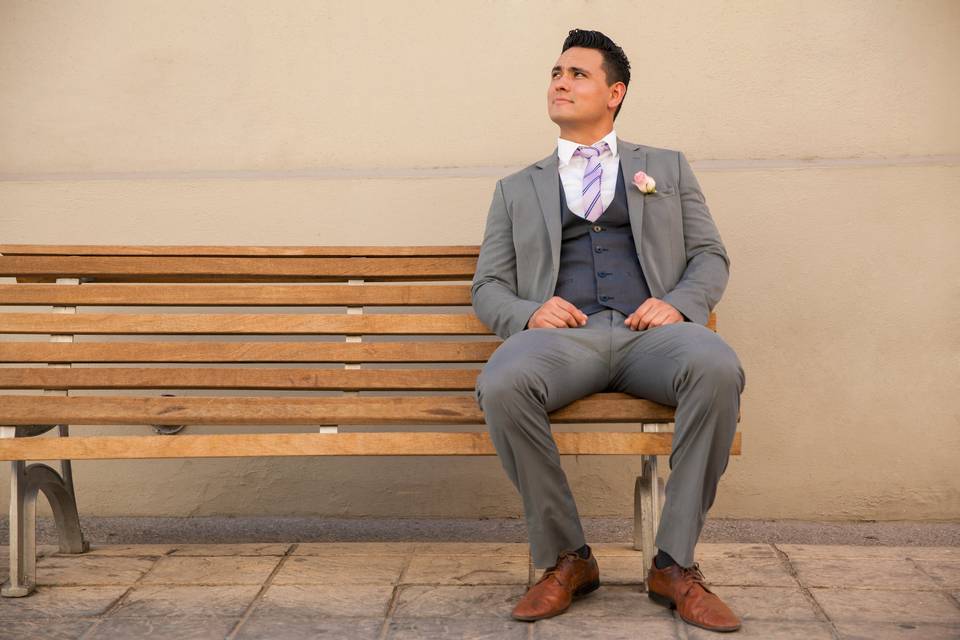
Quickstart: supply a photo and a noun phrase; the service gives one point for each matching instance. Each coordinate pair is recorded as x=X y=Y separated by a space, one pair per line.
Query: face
x=578 y=93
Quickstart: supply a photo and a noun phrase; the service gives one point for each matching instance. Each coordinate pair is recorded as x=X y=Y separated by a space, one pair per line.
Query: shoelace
x=693 y=576
x=552 y=571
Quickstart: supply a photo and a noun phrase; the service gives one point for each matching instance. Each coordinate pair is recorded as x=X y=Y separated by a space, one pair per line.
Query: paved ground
x=402 y=590
x=221 y=529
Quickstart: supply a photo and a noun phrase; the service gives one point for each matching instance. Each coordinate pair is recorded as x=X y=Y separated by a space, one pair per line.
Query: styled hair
x=615 y=63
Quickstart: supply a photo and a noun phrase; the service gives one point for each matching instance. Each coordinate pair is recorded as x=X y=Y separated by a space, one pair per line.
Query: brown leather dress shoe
x=683 y=589
x=572 y=576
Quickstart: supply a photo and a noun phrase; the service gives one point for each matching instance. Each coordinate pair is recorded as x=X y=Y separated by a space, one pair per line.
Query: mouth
x=556 y=100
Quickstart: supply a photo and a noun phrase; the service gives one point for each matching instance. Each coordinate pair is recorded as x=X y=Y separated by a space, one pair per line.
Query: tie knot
x=591 y=152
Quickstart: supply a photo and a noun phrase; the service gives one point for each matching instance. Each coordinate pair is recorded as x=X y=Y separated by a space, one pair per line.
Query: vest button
x=597 y=228
x=599 y=249
x=604 y=298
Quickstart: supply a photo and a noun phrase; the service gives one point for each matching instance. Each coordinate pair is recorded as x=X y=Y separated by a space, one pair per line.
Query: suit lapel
x=546 y=182
x=632 y=159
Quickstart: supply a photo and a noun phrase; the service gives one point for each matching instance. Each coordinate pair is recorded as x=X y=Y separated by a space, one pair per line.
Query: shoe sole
x=582 y=591
x=670 y=604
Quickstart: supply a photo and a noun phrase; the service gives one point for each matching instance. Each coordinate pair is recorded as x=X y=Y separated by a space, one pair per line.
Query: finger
x=645 y=306
x=552 y=322
x=569 y=307
x=660 y=319
x=537 y=321
x=563 y=317
x=647 y=317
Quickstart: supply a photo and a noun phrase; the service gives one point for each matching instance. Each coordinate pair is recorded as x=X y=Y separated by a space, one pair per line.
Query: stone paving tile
x=231 y=549
x=271 y=628
x=467 y=570
x=361 y=601
x=734 y=550
x=472 y=548
x=893 y=631
x=621 y=569
x=127 y=550
x=567 y=628
x=873 y=573
x=851 y=551
x=76 y=570
x=617 y=602
x=472 y=629
x=337 y=570
x=167 y=628
x=746 y=571
x=866 y=605
x=354 y=548
x=165 y=600
x=46 y=628
x=945 y=573
x=73 y=602
x=768 y=603
x=211 y=571
x=766 y=630
x=457 y=602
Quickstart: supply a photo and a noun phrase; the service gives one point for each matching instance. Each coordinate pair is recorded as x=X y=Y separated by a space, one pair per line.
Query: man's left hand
x=653 y=313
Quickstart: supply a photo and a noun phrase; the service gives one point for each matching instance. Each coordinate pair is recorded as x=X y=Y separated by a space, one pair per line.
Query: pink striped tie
x=592 y=202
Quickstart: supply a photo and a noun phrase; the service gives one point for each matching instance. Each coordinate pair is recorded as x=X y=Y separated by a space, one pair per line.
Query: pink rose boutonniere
x=645 y=183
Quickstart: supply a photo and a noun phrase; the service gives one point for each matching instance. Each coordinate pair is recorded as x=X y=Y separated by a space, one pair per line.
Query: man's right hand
x=556 y=313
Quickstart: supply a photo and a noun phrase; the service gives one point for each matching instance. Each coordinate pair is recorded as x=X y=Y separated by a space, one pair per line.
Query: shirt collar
x=565 y=148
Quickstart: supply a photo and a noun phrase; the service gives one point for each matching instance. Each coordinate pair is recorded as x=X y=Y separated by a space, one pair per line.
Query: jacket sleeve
x=708 y=266
x=494 y=290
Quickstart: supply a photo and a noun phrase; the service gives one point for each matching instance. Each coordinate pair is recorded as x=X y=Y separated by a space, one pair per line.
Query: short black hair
x=615 y=63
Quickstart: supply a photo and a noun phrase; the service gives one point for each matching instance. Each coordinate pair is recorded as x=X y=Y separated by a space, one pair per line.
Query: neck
x=587 y=134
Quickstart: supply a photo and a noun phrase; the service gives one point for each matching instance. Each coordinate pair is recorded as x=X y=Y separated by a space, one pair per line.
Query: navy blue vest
x=599 y=267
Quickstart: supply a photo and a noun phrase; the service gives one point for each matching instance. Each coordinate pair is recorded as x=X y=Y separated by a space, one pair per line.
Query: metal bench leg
x=646 y=510
x=23 y=545
x=26 y=482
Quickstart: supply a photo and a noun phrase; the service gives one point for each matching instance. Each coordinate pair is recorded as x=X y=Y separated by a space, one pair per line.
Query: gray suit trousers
x=537 y=371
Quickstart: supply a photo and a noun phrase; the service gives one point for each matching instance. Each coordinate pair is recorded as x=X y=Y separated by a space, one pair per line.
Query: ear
x=618 y=91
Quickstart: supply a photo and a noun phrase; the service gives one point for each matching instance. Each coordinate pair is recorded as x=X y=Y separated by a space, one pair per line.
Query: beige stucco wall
x=826 y=137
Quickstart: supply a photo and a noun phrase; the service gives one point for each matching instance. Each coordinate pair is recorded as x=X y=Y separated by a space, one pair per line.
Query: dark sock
x=583 y=552
x=663 y=559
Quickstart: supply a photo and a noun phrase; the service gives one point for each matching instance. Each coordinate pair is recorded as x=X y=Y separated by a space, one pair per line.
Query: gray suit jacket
x=678 y=244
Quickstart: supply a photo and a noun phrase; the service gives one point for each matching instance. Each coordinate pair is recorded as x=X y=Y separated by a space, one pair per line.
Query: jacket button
x=597 y=228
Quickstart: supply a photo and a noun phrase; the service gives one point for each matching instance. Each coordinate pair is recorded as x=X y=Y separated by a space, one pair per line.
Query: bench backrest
x=347 y=323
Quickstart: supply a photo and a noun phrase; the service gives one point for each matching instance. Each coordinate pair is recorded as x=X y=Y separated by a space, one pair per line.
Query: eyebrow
x=574 y=69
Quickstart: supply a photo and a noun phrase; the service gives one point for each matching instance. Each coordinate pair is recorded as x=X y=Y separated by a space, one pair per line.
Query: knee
x=717 y=365
x=505 y=387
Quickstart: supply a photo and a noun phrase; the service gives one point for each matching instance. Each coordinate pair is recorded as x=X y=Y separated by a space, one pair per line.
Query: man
x=596 y=284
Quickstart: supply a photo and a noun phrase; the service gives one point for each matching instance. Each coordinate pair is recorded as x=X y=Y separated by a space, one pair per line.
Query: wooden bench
x=426 y=341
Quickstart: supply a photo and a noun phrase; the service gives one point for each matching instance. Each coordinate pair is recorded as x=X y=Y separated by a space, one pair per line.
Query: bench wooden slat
x=164 y=268
x=233 y=378
x=234 y=410
x=247 y=352
x=319 y=444
x=242 y=324
x=247 y=295
x=238 y=251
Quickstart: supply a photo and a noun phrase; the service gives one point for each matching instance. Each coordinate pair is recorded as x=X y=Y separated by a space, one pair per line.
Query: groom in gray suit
x=599 y=267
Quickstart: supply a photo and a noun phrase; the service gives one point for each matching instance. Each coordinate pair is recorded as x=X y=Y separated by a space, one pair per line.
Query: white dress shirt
x=572 y=168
